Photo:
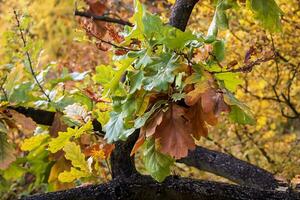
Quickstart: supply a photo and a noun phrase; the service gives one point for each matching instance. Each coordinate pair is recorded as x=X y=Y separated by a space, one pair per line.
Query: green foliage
x=73 y=153
x=115 y=127
x=156 y=163
x=56 y=144
x=240 y=113
x=219 y=50
x=220 y=19
x=72 y=175
x=267 y=13
x=33 y=142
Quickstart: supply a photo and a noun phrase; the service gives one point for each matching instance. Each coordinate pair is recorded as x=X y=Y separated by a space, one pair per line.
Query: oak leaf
x=150 y=127
x=57 y=125
x=174 y=133
x=27 y=125
x=196 y=117
x=140 y=141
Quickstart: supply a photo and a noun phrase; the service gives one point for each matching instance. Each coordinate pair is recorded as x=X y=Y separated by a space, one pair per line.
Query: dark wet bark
x=173 y=188
x=181 y=12
x=227 y=166
x=122 y=164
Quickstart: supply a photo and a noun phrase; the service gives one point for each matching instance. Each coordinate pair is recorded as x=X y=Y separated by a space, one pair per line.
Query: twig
x=242 y=142
x=262 y=150
x=287 y=157
x=102 y=18
x=249 y=67
x=112 y=44
x=261 y=97
x=219 y=145
x=29 y=58
x=286 y=99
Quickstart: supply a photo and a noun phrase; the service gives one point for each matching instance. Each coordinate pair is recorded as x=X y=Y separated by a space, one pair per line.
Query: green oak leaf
x=156 y=163
x=160 y=72
x=21 y=93
x=141 y=121
x=238 y=115
x=14 y=172
x=137 y=31
x=267 y=13
x=177 y=39
x=153 y=26
x=129 y=106
x=136 y=81
x=115 y=127
x=220 y=20
x=230 y=80
x=240 y=112
x=219 y=50
x=104 y=74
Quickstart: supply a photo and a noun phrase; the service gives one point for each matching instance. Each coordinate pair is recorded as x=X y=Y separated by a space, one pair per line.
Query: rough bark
x=173 y=188
x=181 y=12
x=227 y=166
x=122 y=164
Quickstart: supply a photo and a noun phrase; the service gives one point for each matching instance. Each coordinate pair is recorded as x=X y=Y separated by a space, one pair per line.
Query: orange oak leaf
x=196 y=117
x=27 y=125
x=174 y=132
x=150 y=127
x=108 y=149
x=94 y=27
x=213 y=104
x=95 y=151
x=140 y=141
x=101 y=151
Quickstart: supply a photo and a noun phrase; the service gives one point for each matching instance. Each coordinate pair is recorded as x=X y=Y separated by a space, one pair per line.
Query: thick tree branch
x=229 y=167
x=102 y=18
x=173 y=188
x=46 y=118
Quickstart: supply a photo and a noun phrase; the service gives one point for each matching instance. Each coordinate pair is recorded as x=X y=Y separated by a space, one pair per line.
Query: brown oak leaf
x=27 y=125
x=174 y=133
x=196 y=117
x=213 y=104
x=150 y=127
x=57 y=125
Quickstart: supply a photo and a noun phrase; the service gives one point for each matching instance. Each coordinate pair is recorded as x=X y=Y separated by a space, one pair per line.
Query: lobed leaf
x=156 y=163
x=74 y=154
x=267 y=13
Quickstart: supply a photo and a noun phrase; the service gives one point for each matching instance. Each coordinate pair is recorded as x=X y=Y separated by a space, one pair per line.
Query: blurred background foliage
x=271 y=90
